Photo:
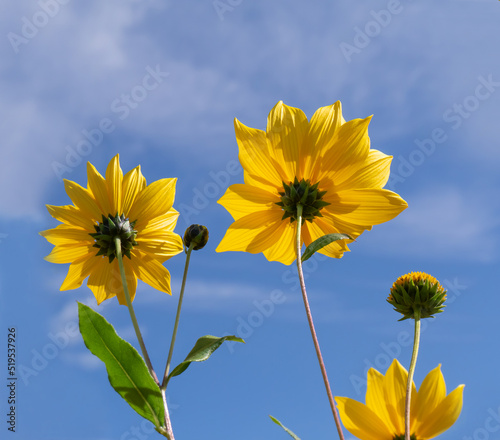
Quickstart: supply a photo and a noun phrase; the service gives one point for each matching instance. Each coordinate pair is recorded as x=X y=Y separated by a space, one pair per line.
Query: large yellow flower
x=145 y=210
x=329 y=158
x=382 y=417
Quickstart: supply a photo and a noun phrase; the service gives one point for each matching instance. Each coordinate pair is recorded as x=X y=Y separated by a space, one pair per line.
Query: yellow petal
x=78 y=271
x=395 y=382
x=322 y=129
x=257 y=159
x=151 y=271
x=350 y=145
x=67 y=235
x=131 y=282
x=372 y=173
x=241 y=200
x=365 y=206
x=114 y=180
x=253 y=233
x=284 y=249
x=375 y=399
x=133 y=183
x=105 y=280
x=342 y=226
x=166 y=222
x=83 y=200
x=72 y=216
x=161 y=244
x=99 y=278
x=443 y=417
x=361 y=421
x=155 y=200
x=318 y=228
x=430 y=394
x=97 y=184
x=286 y=131
x=69 y=253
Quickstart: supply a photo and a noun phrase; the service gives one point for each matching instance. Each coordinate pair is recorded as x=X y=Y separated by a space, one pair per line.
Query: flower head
x=417 y=293
x=196 y=235
x=325 y=164
x=115 y=206
x=382 y=417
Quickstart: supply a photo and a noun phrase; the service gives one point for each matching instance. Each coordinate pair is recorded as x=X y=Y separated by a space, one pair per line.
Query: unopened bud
x=197 y=234
x=417 y=294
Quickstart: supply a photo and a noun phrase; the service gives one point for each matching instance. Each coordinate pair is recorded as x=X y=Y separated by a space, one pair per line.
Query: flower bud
x=197 y=234
x=417 y=295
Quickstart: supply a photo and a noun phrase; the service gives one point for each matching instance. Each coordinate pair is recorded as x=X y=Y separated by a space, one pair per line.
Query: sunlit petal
x=361 y=421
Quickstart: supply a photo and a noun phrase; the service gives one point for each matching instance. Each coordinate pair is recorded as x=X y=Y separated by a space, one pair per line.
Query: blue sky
x=427 y=71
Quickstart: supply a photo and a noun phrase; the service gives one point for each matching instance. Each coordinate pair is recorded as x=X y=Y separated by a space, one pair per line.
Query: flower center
x=113 y=227
x=402 y=437
x=305 y=194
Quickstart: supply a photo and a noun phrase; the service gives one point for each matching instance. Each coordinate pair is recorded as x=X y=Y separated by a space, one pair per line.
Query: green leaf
x=127 y=371
x=201 y=351
x=285 y=428
x=321 y=242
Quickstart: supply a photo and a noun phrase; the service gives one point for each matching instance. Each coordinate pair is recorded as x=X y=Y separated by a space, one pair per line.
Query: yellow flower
x=146 y=221
x=382 y=418
x=327 y=158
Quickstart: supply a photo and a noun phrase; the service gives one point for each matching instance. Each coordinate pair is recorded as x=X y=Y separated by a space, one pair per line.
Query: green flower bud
x=197 y=234
x=417 y=293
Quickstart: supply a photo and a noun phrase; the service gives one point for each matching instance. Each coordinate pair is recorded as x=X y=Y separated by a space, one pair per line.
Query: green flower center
x=402 y=437
x=305 y=194
x=113 y=227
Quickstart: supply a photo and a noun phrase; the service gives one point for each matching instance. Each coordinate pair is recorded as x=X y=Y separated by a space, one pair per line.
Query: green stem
x=119 y=257
x=311 y=325
x=411 y=371
x=168 y=431
x=177 y=316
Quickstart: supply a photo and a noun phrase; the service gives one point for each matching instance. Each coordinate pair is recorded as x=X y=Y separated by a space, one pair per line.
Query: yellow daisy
x=143 y=217
x=327 y=159
x=382 y=417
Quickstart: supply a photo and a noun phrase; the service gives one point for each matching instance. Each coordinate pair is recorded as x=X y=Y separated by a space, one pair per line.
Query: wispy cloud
x=445 y=223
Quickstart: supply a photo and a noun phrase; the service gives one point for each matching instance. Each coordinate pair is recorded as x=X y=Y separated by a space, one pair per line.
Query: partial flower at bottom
x=382 y=417
x=115 y=206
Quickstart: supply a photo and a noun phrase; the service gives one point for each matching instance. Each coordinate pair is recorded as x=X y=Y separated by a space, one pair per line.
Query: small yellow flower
x=382 y=417
x=141 y=215
x=324 y=164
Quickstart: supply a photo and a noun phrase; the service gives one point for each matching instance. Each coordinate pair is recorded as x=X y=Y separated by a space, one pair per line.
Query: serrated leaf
x=285 y=428
x=321 y=242
x=201 y=351
x=127 y=371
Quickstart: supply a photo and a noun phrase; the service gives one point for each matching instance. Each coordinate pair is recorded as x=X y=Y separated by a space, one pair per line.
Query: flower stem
x=177 y=316
x=311 y=324
x=131 y=309
x=411 y=371
x=168 y=431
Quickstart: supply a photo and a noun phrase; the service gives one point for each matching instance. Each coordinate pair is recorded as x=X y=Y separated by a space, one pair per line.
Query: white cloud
x=442 y=223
